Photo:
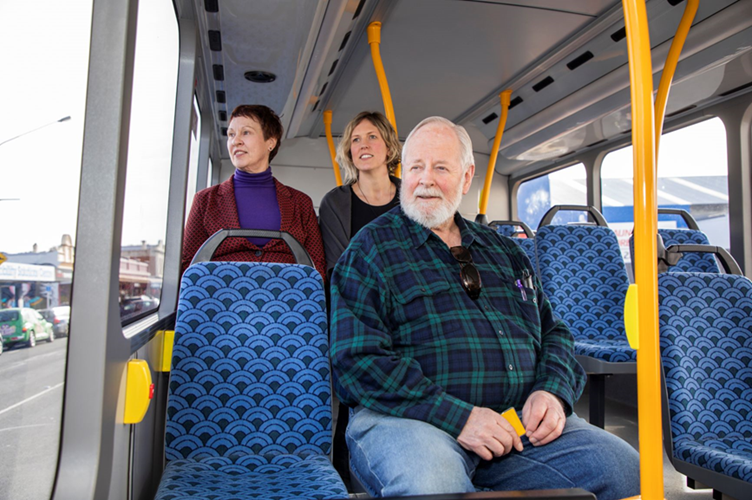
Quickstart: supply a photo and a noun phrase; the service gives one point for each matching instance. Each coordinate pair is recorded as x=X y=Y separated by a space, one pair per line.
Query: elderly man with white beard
x=438 y=325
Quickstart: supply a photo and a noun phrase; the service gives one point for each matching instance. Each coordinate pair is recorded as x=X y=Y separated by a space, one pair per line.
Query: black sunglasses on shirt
x=469 y=274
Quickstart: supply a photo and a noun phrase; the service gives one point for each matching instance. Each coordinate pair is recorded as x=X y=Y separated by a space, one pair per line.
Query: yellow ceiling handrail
x=690 y=10
x=646 y=267
x=330 y=142
x=374 y=40
x=505 y=98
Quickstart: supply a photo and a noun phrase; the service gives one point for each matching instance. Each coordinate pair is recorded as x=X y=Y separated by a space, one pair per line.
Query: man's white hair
x=466 y=145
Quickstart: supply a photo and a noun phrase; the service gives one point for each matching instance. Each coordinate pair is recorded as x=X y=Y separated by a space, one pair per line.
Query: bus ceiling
x=566 y=62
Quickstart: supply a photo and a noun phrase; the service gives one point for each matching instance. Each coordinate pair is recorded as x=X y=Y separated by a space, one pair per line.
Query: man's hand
x=543 y=417
x=488 y=434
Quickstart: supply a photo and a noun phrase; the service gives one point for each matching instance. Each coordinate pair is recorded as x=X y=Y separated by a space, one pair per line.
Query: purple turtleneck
x=256 y=199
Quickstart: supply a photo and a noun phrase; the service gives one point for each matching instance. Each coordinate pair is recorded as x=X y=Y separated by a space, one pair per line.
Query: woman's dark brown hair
x=271 y=126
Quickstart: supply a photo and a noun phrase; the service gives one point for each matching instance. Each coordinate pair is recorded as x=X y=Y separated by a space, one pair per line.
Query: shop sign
x=12 y=271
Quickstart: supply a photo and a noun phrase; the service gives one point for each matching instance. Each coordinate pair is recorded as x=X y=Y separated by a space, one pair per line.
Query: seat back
x=584 y=277
x=690 y=262
x=706 y=349
x=509 y=228
x=250 y=372
x=528 y=245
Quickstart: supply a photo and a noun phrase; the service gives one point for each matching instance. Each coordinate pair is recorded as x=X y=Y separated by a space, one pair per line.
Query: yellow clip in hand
x=512 y=418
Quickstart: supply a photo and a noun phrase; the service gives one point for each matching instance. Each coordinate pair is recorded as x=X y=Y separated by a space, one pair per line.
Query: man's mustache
x=428 y=192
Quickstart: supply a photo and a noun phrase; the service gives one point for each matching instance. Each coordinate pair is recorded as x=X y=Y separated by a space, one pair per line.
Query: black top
x=363 y=213
x=335 y=219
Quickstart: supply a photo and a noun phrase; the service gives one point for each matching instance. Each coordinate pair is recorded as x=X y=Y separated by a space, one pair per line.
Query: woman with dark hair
x=252 y=199
x=368 y=153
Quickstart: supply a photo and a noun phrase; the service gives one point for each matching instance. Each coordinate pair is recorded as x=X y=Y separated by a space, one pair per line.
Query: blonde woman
x=368 y=155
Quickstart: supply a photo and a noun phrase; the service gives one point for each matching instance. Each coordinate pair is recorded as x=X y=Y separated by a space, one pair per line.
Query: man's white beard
x=431 y=218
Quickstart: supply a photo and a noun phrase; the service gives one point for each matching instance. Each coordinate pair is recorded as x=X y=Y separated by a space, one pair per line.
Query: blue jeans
x=394 y=456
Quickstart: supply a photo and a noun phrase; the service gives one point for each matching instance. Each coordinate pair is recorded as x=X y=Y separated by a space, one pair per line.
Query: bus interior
x=148 y=130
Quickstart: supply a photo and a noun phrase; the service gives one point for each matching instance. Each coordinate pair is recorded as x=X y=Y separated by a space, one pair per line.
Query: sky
x=43 y=53
x=44 y=49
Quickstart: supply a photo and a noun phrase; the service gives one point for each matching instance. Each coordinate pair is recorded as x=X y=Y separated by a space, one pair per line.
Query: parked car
x=24 y=326
x=134 y=306
x=59 y=317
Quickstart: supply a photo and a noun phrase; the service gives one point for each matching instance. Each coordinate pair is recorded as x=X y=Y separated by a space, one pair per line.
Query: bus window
x=41 y=138
x=563 y=187
x=692 y=175
x=149 y=155
x=193 y=156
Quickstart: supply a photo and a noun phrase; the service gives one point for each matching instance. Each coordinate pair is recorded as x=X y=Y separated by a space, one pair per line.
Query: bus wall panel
x=304 y=164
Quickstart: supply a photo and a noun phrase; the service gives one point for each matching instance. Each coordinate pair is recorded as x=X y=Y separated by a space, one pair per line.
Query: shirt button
x=501 y=332
x=423 y=290
x=258 y=253
x=510 y=368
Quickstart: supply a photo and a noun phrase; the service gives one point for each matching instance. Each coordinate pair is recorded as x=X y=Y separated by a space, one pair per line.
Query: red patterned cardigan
x=214 y=208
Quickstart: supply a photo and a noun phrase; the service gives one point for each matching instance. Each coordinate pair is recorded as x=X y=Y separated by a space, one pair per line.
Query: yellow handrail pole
x=330 y=142
x=667 y=76
x=374 y=40
x=505 y=97
x=646 y=267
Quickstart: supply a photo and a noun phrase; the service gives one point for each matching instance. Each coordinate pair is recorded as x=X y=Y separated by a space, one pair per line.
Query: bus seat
x=508 y=228
x=528 y=245
x=706 y=349
x=584 y=276
x=689 y=262
x=249 y=405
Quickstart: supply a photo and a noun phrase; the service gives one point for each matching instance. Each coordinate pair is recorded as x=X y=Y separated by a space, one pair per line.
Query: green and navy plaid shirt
x=408 y=341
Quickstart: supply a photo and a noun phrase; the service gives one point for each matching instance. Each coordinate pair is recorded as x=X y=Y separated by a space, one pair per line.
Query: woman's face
x=367 y=147
x=249 y=151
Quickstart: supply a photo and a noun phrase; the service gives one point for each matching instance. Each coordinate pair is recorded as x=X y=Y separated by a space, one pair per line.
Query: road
x=31 y=397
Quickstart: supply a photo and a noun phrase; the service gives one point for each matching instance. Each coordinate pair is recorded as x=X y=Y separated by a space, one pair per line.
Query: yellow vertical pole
x=505 y=98
x=646 y=267
x=330 y=142
x=374 y=40
x=667 y=76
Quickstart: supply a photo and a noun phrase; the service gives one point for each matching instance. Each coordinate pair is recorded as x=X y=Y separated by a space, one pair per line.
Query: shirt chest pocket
x=518 y=303
x=527 y=302
x=527 y=319
x=417 y=302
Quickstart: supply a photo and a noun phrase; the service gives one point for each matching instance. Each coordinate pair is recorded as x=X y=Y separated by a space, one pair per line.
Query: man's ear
x=467 y=179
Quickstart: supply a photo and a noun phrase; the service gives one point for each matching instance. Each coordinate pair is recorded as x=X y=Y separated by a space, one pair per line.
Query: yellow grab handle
x=160 y=350
x=330 y=141
x=667 y=76
x=505 y=100
x=374 y=40
x=138 y=391
x=632 y=317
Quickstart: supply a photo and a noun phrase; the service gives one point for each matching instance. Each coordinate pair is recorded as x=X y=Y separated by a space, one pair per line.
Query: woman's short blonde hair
x=393 y=147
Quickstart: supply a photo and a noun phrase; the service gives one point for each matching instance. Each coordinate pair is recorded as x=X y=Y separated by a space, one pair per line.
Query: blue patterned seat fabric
x=690 y=262
x=248 y=414
x=706 y=347
x=507 y=230
x=528 y=245
x=584 y=277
